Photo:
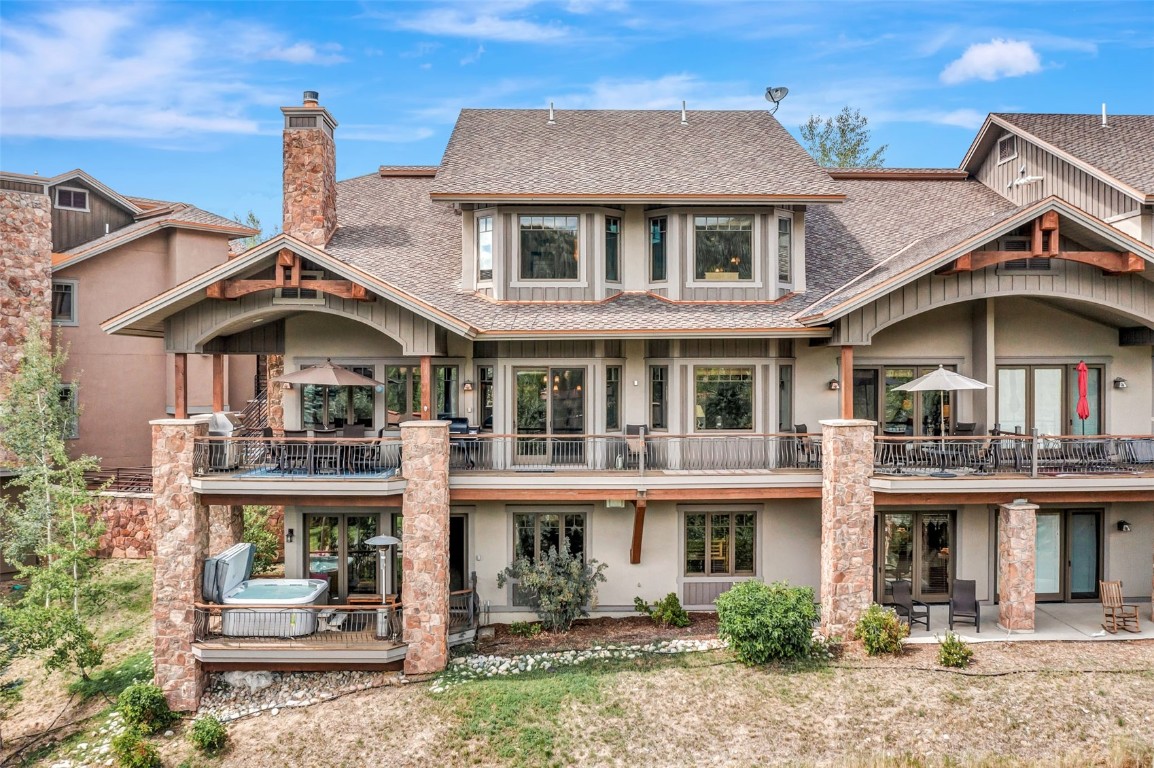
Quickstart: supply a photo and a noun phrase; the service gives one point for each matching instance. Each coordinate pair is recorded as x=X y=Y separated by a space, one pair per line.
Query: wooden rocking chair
x=1116 y=614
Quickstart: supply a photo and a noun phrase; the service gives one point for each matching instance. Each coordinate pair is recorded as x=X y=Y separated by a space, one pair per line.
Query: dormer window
x=723 y=247
x=72 y=199
x=485 y=248
x=549 y=249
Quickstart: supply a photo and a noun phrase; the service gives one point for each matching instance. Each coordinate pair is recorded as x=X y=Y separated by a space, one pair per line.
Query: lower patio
x=1069 y=622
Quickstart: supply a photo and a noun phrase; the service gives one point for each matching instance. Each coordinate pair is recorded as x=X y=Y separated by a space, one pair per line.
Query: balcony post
x=1034 y=452
x=427 y=387
x=1017 y=528
x=275 y=394
x=180 y=385
x=847 y=524
x=217 y=383
x=846 y=372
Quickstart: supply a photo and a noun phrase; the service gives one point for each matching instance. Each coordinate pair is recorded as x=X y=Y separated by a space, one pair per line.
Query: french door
x=1045 y=397
x=549 y=415
x=1067 y=562
x=916 y=547
x=900 y=413
x=337 y=552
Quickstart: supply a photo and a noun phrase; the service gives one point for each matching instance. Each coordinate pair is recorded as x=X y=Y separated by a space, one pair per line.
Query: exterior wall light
x=1120 y=383
x=1124 y=526
x=288 y=536
x=467 y=386
x=834 y=384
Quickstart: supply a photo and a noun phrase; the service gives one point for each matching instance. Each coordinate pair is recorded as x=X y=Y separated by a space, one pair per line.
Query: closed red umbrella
x=1083 y=403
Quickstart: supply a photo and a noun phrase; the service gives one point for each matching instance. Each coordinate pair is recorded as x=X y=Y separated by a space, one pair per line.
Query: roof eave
x=603 y=199
x=232 y=232
x=650 y=333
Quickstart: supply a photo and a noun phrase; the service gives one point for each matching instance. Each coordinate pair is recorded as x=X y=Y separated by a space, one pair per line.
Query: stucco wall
x=1127 y=556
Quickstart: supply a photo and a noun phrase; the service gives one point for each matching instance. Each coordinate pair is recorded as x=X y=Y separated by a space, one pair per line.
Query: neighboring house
x=637 y=313
x=90 y=252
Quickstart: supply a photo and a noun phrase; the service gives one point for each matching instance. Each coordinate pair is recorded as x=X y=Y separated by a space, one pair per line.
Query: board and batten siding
x=21 y=186
x=1059 y=178
x=189 y=329
x=1132 y=294
x=72 y=228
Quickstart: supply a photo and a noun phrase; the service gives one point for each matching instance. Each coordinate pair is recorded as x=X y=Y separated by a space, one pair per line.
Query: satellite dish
x=775 y=95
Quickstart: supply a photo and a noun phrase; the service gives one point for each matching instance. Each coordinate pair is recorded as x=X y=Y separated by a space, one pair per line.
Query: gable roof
x=627 y=155
x=924 y=255
x=1121 y=153
x=73 y=175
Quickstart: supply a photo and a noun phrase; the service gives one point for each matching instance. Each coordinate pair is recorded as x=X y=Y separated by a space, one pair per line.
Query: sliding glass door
x=916 y=547
x=1045 y=397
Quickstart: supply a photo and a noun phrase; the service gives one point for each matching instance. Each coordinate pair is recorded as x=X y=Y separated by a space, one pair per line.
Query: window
x=1007 y=148
x=784 y=250
x=64 y=302
x=485 y=248
x=535 y=533
x=902 y=413
x=612 y=249
x=549 y=248
x=613 y=397
x=72 y=199
x=657 y=248
x=70 y=405
x=403 y=392
x=658 y=396
x=1045 y=397
x=785 y=398
x=337 y=406
x=723 y=247
x=485 y=395
x=723 y=398
x=720 y=543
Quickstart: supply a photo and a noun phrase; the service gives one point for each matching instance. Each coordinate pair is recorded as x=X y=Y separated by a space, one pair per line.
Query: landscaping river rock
x=233 y=695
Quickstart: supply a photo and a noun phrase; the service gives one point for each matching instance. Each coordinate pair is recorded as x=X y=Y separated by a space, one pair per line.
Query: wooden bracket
x=638 y=531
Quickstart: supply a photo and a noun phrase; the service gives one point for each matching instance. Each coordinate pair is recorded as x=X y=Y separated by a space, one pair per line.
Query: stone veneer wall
x=1017 y=528
x=275 y=394
x=310 y=183
x=127 y=519
x=225 y=527
x=847 y=524
x=25 y=278
x=180 y=531
x=425 y=543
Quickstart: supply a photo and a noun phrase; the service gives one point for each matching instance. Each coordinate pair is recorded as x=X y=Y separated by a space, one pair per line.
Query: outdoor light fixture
x=1120 y=383
x=467 y=386
x=774 y=95
x=289 y=536
x=1124 y=526
x=286 y=385
x=834 y=385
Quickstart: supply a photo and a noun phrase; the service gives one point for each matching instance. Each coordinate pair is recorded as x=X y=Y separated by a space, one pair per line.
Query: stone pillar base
x=1017 y=528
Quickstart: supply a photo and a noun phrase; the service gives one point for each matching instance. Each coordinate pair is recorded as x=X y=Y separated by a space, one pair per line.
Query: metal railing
x=465 y=607
x=634 y=454
x=1012 y=453
x=120 y=479
x=326 y=625
x=254 y=417
x=297 y=457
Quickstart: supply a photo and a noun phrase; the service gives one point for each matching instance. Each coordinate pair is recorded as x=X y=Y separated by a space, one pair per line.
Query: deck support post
x=180 y=536
x=427 y=387
x=846 y=372
x=1017 y=529
x=217 y=383
x=847 y=524
x=180 y=385
x=638 y=531
x=425 y=544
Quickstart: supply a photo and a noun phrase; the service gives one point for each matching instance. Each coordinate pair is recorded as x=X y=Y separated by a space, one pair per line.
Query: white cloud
x=115 y=72
x=474 y=57
x=993 y=60
x=482 y=25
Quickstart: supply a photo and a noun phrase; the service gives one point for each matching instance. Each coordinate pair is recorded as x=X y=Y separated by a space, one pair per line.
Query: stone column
x=425 y=543
x=847 y=523
x=310 y=172
x=275 y=394
x=1017 y=528
x=180 y=538
x=225 y=527
x=26 y=285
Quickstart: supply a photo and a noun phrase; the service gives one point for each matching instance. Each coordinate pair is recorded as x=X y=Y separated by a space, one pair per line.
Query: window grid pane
x=485 y=248
x=744 y=536
x=695 y=535
x=784 y=250
x=658 y=376
x=62 y=302
x=657 y=244
x=612 y=249
x=613 y=397
x=549 y=248
x=719 y=544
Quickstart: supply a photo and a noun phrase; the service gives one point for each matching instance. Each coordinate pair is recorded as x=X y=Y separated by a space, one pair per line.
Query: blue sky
x=180 y=101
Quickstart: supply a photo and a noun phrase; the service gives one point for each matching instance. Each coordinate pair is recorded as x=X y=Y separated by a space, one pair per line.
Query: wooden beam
x=392 y=501
x=1131 y=262
x=739 y=494
x=996 y=497
x=180 y=385
x=846 y=381
x=638 y=531
x=540 y=494
x=1036 y=239
x=1049 y=221
x=427 y=387
x=234 y=289
x=1112 y=262
x=217 y=383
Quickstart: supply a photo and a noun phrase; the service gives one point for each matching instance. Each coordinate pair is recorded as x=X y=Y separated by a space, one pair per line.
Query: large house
x=673 y=342
x=77 y=252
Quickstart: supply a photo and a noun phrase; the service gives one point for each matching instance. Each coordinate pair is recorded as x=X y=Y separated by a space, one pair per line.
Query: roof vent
x=312 y=98
x=684 y=118
x=551 y=120
x=1103 y=114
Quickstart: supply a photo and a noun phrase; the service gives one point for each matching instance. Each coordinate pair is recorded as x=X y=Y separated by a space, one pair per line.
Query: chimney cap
x=311 y=96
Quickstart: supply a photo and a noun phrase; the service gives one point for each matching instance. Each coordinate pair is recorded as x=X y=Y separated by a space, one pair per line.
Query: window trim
x=777 y=218
x=74 y=318
x=649 y=248
x=582 y=279
x=87 y=199
x=753 y=369
x=756 y=251
x=491 y=216
x=732 y=510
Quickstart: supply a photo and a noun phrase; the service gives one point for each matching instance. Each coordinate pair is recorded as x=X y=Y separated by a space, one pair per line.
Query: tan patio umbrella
x=942 y=380
x=328 y=375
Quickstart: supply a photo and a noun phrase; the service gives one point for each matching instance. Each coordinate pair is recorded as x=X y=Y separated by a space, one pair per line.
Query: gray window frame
x=73 y=318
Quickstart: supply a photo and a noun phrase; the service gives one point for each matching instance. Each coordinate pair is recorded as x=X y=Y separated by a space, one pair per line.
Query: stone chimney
x=310 y=172
x=26 y=282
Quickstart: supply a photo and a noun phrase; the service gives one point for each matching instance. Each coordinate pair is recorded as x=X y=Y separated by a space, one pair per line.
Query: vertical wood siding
x=71 y=228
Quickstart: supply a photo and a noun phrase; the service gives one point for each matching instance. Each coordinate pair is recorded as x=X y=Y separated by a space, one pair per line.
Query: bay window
x=723 y=247
x=549 y=247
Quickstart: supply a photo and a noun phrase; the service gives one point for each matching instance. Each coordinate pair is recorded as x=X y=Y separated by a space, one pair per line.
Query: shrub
x=132 y=751
x=265 y=542
x=881 y=630
x=208 y=735
x=767 y=622
x=667 y=612
x=558 y=585
x=953 y=651
x=144 y=707
x=525 y=628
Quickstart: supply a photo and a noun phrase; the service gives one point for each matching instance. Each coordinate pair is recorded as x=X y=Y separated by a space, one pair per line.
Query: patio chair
x=913 y=611
x=634 y=444
x=806 y=450
x=964 y=603
x=965 y=428
x=1116 y=614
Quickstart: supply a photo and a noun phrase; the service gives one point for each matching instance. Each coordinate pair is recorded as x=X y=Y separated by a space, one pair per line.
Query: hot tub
x=273 y=622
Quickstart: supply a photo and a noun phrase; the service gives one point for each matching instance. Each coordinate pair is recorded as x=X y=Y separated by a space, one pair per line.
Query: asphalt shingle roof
x=180 y=213
x=638 y=153
x=1124 y=149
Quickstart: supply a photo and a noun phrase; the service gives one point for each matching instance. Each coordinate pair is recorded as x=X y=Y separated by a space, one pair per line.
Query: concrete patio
x=1052 y=621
